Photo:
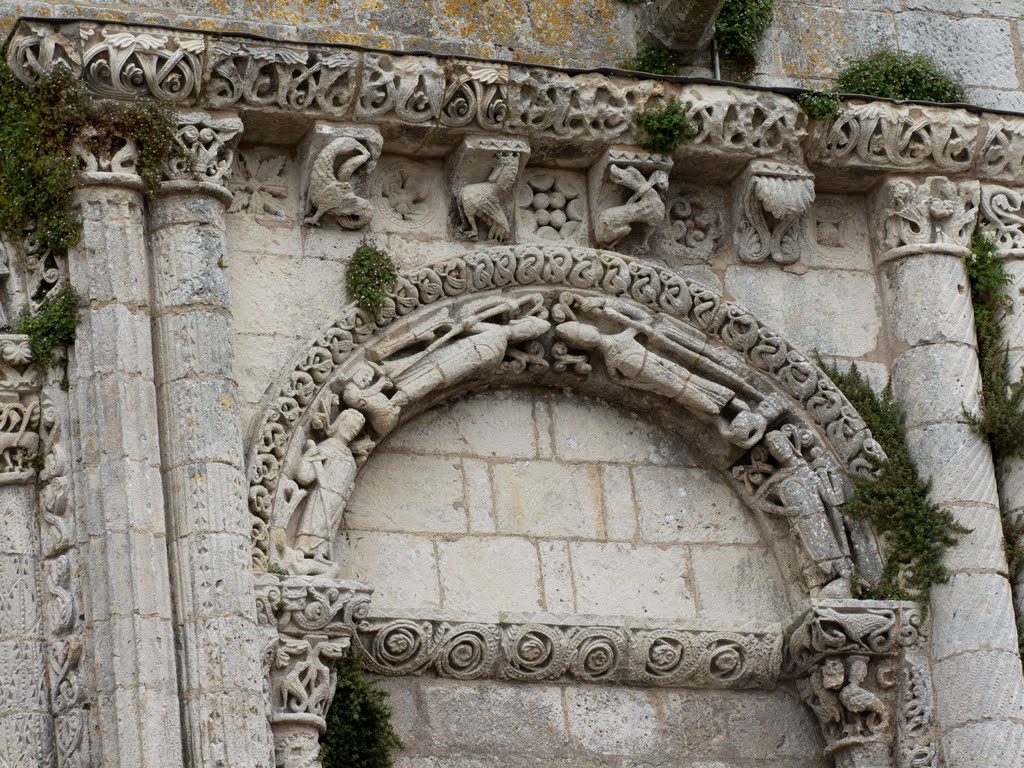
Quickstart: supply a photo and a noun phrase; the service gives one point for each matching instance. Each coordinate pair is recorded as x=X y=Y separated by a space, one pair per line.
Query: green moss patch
x=359 y=730
x=663 y=128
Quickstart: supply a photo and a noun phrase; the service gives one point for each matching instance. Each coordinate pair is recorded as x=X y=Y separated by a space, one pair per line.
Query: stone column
x=308 y=624
x=221 y=666
x=923 y=228
x=116 y=459
x=1002 y=218
x=26 y=730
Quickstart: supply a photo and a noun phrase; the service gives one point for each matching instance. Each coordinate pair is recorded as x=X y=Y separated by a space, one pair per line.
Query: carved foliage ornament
x=351 y=386
x=209 y=141
x=583 y=653
x=882 y=136
x=1002 y=216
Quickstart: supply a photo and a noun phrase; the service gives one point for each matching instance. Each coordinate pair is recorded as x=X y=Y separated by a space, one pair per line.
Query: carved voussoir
x=771 y=199
x=861 y=667
x=483 y=172
x=336 y=163
x=627 y=188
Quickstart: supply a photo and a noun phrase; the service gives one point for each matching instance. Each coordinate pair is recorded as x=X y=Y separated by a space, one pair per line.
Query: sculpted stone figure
x=368 y=396
x=644 y=206
x=328 y=469
x=634 y=365
x=808 y=496
x=473 y=345
x=331 y=188
x=484 y=200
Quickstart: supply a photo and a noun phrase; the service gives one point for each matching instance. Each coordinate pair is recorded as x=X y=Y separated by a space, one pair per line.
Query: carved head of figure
x=659 y=180
x=781 y=449
x=348 y=424
x=362 y=376
x=833 y=674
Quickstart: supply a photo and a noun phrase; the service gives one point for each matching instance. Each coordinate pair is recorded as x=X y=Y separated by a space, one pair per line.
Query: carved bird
x=483 y=200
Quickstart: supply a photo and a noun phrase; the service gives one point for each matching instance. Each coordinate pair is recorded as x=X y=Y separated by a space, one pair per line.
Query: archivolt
x=624 y=329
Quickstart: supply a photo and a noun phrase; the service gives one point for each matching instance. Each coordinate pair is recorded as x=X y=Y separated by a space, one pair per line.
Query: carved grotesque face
x=833 y=674
x=780 y=447
x=363 y=375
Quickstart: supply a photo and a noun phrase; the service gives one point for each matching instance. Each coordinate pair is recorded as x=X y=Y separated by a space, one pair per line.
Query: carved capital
x=483 y=172
x=627 y=190
x=336 y=162
x=919 y=215
x=857 y=666
x=20 y=411
x=310 y=622
x=771 y=199
x=107 y=159
x=210 y=143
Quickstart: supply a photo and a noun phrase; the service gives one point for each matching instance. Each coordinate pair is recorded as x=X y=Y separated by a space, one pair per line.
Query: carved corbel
x=483 y=172
x=771 y=198
x=627 y=190
x=925 y=215
x=859 y=665
x=336 y=163
x=310 y=623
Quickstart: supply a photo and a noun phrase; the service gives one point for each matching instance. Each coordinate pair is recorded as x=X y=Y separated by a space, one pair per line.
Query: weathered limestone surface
x=581 y=483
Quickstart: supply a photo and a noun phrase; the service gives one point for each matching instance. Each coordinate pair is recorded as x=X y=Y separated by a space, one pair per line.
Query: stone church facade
x=576 y=490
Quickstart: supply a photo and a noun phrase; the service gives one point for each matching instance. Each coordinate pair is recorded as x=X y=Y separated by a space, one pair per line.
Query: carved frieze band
x=542 y=651
x=222 y=71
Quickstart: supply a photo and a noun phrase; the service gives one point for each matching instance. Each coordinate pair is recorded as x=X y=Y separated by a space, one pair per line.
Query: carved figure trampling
x=588 y=319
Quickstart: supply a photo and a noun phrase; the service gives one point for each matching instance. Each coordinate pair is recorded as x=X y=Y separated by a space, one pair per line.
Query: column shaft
x=117 y=482
x=979 y=690
x=221 y=670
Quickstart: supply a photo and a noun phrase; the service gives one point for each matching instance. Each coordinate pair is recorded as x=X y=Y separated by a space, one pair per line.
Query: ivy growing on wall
x=663 y=128
x=917 y=532
x=51 y=326
x=1001 y=418
x=38 y=129
x=359 y=731
x=738 y=31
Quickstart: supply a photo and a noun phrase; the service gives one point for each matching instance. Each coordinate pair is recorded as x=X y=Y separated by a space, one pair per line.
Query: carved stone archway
x=782 y=432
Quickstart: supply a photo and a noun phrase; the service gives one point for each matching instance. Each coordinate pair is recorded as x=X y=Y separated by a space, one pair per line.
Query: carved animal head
x=506 y=168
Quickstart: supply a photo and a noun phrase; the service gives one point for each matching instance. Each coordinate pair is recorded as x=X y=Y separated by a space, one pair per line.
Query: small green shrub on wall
x=892 y=75
x=663 y=128
x=652 y=59
x=359 y=732
x=369 y=273
x=38 y=128
x=820 y=105
x=738 y=31
x=917 y=532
